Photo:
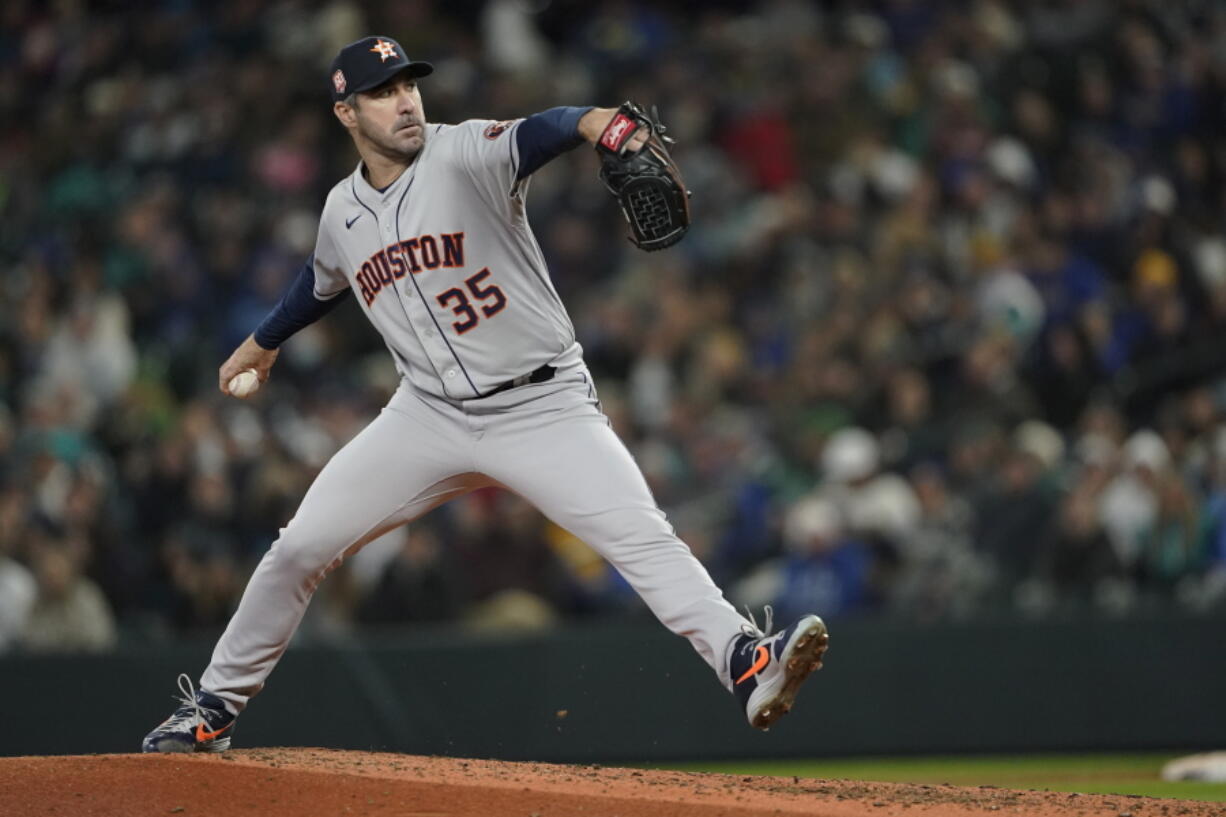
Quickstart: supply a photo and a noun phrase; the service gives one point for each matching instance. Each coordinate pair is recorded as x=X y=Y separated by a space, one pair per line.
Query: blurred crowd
x=941 y=343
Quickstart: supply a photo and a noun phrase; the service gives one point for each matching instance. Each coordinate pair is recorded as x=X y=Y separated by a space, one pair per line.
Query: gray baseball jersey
x=456 y=282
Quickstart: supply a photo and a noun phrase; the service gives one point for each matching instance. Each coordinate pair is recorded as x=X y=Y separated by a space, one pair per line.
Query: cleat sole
x=806 y=658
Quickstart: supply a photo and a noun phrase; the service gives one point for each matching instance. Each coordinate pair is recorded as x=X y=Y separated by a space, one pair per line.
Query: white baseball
x=244 y=383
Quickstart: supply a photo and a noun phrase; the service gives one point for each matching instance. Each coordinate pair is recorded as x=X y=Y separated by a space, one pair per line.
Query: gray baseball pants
x=547 y=442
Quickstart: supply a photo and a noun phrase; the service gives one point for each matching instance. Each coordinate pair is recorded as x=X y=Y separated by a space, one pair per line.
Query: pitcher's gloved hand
x=646 y=182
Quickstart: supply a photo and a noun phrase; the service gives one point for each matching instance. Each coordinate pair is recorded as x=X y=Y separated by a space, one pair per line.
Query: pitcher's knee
x=304 y=556
x=642 y=545
x=632 y=526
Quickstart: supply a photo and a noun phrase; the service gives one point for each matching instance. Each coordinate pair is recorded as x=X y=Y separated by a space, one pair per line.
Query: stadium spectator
x=822 y=565
x=69 y=613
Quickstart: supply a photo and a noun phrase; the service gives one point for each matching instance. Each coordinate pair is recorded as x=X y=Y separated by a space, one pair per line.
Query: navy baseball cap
x=368 y=62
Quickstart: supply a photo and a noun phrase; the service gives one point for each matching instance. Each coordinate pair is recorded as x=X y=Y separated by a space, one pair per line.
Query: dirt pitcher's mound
x=311 y=782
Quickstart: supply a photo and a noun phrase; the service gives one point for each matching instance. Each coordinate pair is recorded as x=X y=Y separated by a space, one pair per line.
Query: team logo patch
x=495 y=130
x=338 y=81
x=384 y=50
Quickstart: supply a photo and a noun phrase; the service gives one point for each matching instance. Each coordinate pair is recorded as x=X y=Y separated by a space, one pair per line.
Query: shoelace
x=751 y=629
x=188 y=699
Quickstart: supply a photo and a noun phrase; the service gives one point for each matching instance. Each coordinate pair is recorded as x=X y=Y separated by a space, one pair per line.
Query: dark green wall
x=637 y=695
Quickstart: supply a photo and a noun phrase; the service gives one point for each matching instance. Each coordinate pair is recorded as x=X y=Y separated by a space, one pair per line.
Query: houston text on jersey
x=394 y=261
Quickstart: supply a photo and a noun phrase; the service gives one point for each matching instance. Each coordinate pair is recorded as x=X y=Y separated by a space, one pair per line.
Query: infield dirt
x=309 y=782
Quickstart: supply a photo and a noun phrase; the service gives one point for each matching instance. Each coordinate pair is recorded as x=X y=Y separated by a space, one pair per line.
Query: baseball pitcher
x=430 y=235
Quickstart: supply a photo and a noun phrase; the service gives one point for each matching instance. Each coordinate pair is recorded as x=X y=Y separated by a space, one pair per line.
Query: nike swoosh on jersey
x=349 y=221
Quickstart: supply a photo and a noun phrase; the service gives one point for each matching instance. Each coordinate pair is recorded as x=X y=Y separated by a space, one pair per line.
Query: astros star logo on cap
x=384 y=50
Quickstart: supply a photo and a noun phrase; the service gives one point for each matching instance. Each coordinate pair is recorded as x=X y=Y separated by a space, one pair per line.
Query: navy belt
x=541 y=375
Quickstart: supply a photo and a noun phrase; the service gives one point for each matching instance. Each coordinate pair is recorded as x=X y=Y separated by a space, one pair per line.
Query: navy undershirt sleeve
x=545 y=135
x=298 y=308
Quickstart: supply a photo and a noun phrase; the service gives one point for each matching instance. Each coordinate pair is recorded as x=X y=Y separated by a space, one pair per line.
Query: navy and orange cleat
x=200 y=724
x=767 y=670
